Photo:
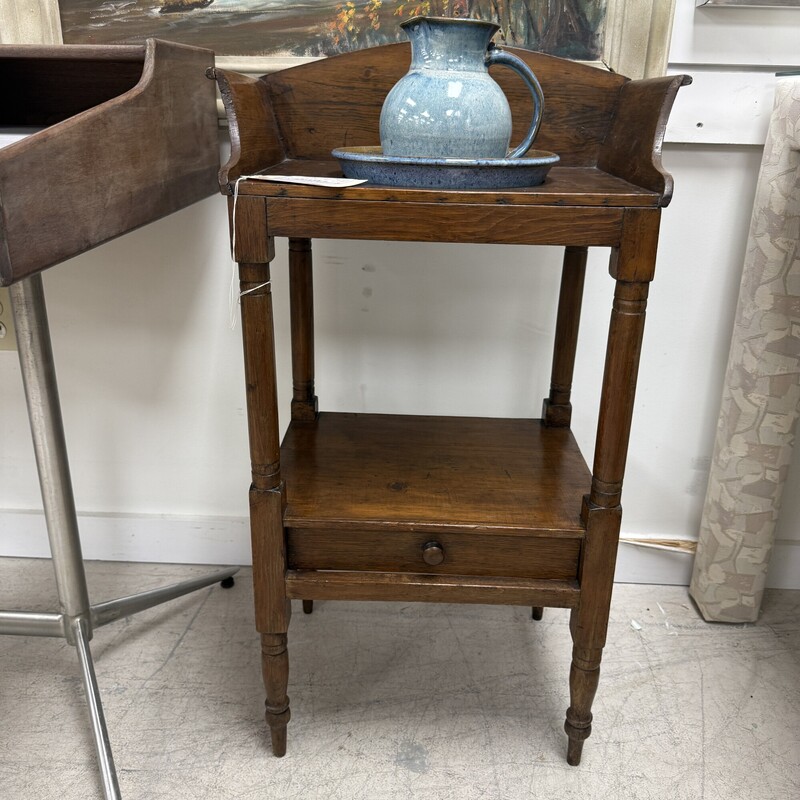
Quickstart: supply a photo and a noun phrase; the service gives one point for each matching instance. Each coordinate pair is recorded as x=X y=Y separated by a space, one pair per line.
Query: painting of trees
x=568 y=28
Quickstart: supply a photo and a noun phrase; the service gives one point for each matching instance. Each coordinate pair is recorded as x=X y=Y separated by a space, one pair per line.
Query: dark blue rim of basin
x=374 y=155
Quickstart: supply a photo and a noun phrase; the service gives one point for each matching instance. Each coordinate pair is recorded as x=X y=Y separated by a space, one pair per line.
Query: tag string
x=234 y=295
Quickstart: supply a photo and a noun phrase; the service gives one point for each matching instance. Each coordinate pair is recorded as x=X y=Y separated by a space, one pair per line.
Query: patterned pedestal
x=761 y=397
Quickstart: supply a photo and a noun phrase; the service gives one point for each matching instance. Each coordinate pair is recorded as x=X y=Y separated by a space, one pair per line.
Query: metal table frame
x=77 y=618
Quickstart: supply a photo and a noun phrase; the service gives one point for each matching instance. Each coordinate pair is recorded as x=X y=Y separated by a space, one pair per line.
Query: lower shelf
x=425 y=501
x=396 y=473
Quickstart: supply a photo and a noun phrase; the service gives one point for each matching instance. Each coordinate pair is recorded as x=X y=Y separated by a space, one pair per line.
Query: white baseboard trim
x=646 y=565
x=226 y=540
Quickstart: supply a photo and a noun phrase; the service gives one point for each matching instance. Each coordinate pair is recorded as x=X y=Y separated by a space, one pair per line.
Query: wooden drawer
x=462 y=553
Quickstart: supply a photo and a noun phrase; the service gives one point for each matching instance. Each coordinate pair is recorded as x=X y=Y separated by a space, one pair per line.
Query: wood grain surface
x=586 y=186
x=149 y=150
x=318 y=106
x=467 y=553
x=390 y=472
x=431 y=222
x=431 y=588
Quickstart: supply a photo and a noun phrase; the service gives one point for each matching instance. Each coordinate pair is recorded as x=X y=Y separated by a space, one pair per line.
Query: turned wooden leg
x=308 y=606
x=589 y=622
x=584 y=675
x=632 y=265
x=537 y=612
x=557 y=410
x=301 y=307
x=267 y=495
x=275 y=667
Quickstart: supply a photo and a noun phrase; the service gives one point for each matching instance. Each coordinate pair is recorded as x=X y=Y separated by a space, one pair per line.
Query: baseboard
x=637 y=564
x=644 y=565
x=784 y=566
x=226 y=540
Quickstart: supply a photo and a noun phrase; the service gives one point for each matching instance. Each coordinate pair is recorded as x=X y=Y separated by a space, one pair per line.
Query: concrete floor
x=395 y=701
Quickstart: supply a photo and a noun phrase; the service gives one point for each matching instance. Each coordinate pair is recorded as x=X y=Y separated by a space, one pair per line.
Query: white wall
x=733 y=54
x=152 y=383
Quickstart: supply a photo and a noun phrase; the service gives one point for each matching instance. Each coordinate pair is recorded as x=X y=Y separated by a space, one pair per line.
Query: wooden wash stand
x=441 y=509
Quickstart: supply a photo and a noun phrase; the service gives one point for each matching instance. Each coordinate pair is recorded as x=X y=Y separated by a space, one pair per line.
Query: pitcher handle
x=503 y=58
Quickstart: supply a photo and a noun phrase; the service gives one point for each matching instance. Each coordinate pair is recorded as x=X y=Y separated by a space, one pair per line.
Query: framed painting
x=627 y=36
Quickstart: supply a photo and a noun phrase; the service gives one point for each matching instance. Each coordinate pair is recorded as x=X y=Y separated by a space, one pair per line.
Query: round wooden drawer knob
x=432 y=553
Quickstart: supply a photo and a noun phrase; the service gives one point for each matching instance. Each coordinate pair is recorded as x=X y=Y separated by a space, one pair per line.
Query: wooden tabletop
x=585 y=186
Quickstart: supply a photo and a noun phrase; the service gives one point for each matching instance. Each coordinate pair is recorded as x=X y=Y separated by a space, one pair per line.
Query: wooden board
x=389 y=472
x=123 y=151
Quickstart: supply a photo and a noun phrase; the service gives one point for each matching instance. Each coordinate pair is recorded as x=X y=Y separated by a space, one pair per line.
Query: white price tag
x=334 y=183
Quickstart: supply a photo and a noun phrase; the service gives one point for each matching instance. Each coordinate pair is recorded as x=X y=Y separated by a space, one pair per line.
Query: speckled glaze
x=447 y=105
x=445 y=173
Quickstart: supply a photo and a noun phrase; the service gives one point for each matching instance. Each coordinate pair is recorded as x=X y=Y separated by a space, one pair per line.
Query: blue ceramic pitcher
x=447 y=105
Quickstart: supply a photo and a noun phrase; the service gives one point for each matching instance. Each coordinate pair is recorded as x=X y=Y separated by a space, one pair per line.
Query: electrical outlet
x=8 y=339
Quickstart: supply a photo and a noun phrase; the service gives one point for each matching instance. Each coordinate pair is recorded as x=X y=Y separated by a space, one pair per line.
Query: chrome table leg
x=49 y=444
x=102 y=745
x=76 y=618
